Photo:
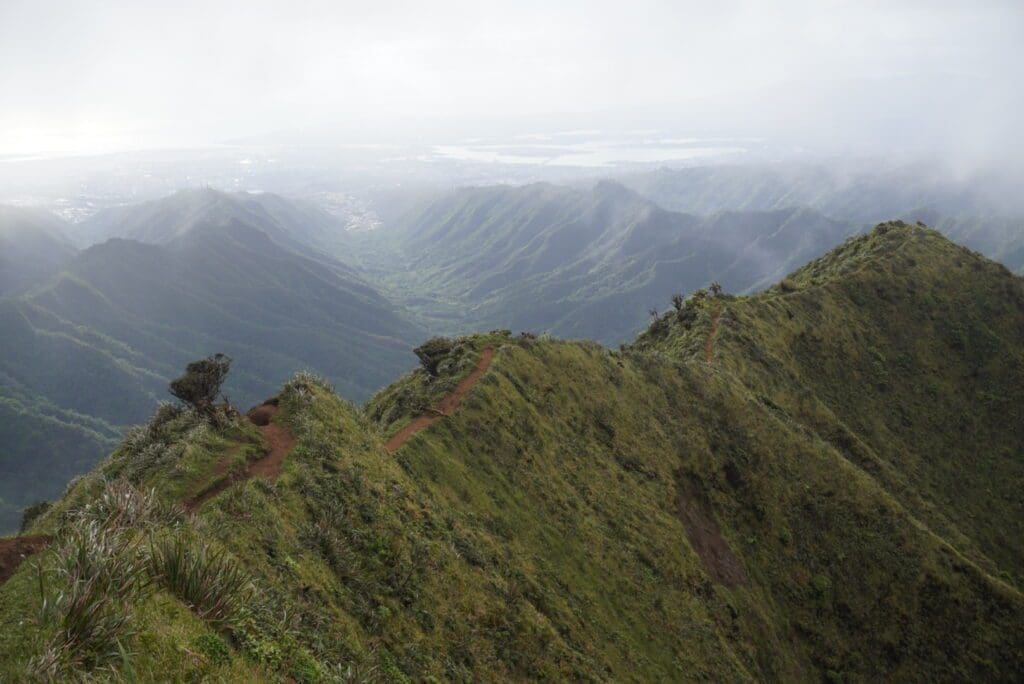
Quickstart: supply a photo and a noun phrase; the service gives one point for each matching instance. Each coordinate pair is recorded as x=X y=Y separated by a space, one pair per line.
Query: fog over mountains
x=511 y=342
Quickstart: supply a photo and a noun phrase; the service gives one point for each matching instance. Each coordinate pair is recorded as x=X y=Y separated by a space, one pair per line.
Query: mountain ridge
x=584 y=263
x=597 y=514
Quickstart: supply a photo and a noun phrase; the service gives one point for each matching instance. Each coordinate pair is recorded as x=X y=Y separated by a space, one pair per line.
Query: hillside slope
x=757 y=489
x=585 y=263
x=921 y=385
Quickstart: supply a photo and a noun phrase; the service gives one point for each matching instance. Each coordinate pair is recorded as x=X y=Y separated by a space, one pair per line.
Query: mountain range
x=815 y=482
x=585 y=263
x=33 y=246
x=90 y=338
x=982 y=211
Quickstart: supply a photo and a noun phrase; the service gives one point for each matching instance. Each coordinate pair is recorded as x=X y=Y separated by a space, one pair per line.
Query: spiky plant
x=96 y=576
x=213 y=584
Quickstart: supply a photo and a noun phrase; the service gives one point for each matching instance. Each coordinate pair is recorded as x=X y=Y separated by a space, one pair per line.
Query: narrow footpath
x=709 y=343
x=447 y=405
x=279 y=443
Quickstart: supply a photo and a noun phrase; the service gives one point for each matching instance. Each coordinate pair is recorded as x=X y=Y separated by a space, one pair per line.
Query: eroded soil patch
x=706 y=537
x=15 y=550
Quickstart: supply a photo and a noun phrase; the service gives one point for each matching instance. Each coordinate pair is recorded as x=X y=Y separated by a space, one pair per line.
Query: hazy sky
x=99 y=76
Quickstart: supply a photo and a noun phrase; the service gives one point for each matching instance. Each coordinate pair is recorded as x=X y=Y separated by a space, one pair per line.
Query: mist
x=937 y=79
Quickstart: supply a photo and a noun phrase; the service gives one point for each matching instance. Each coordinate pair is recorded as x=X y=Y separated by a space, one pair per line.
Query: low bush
x=30 y=513
x=121 y=505
x=200 y=386
x=213 y=648
x=432 y=352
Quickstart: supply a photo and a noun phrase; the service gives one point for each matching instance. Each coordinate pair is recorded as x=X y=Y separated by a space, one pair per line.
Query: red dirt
x=706 y=539
x=279 y=443
x=261 y=415
x=447 y=405
x=709 y=343
x=14 y=551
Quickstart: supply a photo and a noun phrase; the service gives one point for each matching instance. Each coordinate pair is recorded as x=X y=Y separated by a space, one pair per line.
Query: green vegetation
x=807 y=506
x=432 y=352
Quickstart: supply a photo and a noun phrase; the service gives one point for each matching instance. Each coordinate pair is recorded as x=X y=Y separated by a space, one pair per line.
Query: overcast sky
x=104 y=76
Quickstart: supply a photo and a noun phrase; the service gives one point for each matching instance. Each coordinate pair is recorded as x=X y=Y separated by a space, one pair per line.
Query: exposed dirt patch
x=15 y=550
x=279 y=443
x=706 y=537
x=261 y=415
x=213 y=490
x=709 y=342
x=447 y=405
x=280 y=440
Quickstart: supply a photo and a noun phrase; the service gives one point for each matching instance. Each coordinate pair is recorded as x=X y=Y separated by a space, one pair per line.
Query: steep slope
x=587 y=514
x=103 y=338
x=586 y=264
x=33 y=246
x=921 y=385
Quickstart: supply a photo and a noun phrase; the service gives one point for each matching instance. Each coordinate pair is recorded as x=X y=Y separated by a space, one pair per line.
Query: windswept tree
x=200 y=386
x=432 y=352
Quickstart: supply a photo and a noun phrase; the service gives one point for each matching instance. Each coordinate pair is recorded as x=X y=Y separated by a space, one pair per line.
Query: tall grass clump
x=88 y=592
x=161 y=441
x=101 y=567
x=122 y=505
x=213 y=584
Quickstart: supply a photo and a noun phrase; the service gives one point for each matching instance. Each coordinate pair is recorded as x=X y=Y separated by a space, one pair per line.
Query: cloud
x=128 y=74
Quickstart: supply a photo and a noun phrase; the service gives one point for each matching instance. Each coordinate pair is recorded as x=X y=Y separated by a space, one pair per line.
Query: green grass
x=539 y=534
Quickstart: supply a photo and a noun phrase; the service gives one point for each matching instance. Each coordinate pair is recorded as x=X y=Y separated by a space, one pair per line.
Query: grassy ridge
x=633 y=515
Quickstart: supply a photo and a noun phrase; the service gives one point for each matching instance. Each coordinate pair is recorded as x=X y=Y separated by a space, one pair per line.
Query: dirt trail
x=709 y=343
x=447 y=405
x=279 y=442
x=15 y=550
